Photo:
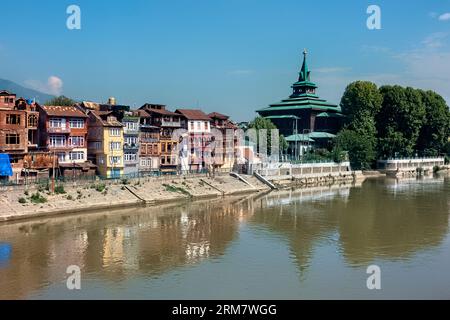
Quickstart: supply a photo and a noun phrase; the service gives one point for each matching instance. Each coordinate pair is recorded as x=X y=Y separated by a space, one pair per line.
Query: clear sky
x=230 y=56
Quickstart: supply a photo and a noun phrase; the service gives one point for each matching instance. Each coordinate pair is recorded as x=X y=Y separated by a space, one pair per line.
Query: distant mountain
x=23 y=92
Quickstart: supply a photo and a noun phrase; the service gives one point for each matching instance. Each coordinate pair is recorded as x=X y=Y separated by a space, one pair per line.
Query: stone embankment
x=37 y=201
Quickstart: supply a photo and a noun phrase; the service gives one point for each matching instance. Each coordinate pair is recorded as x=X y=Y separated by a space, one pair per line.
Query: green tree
x=399 y=121
x=361 y=100
x=360 y=148
x=435 y=131
x=360 y=103
x=260 y=123
x=61 y=101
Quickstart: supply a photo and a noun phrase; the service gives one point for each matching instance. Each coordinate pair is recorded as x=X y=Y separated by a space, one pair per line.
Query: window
x=163 y=147
x=13 y=119
x=199 y=125
x=114 y=132
x=130 y=157
x=206 y=125
x=76 y=155
x=76 y=141
x=76 y=123
x=115 y=146
x=95 y=145
x=57 y=141
x=32 y=121
x=131 y=140
x=163 y=160
x=101 y=160
x=133 y=126
x=12 y=138
x=57 y=123
x=115 y=160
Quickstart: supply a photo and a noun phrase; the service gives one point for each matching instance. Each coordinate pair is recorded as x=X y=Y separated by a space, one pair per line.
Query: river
x=293 y=244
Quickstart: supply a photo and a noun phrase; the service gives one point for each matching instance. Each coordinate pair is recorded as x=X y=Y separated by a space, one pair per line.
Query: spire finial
x=305 y=52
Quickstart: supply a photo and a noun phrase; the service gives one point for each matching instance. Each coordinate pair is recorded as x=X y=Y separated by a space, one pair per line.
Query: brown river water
x=293 y=244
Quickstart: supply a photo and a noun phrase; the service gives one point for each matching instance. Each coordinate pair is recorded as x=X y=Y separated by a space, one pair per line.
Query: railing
x=58 y=130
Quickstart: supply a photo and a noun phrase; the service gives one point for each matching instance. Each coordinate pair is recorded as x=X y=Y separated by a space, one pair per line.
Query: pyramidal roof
x=304 y=94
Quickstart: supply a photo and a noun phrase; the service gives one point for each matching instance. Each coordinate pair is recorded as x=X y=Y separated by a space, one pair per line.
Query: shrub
x=38 y=198
x=26 y=193
x=100 y=187
x=22 y=200
x=69 y=197
x=60 y=189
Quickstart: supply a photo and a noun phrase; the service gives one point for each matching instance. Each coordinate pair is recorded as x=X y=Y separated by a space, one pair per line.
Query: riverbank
x=37 y=201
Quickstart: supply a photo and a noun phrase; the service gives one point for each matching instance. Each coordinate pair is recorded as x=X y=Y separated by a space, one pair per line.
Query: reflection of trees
x=393 y=225
x=303 y=221
x=371 y=222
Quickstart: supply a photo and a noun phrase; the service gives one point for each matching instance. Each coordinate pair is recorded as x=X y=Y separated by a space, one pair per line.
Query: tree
x=360 y=148
x=435 y=131
x=61 y=101
x=260 y=123
x=399 y=121
x=360 y=103
x=361 y=100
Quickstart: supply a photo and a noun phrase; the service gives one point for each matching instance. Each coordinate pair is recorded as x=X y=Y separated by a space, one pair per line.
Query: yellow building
x=105 y=143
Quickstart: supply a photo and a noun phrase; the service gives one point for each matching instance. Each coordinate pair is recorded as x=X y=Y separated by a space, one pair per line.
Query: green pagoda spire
x=304 y=86
x=304 y=72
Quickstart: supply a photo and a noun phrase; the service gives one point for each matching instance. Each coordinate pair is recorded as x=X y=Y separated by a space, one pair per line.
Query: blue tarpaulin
x=5 y=165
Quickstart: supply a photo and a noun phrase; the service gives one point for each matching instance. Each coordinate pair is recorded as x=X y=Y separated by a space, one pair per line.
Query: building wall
x=108 y=138
x=7 y=101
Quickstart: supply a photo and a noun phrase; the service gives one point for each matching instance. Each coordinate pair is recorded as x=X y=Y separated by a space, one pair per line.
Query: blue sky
x=230 y=56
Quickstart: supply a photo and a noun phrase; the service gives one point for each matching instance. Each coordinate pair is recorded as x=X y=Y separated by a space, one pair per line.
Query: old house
x=64 y=133
x=105 y=143
x=18 y=130
x=168 y=123
x=196 y=143
x=149 y=144
x=131 y=124
x=225 y=140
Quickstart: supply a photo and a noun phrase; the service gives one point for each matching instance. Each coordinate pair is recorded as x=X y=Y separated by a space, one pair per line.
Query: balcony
x=58 y=130
x=131 y=146
x=171 y=124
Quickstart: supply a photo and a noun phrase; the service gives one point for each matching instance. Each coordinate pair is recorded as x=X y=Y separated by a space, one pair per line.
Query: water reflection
x=383 y=219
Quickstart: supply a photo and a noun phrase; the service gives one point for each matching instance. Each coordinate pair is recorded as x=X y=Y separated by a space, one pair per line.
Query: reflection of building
x=304 y=112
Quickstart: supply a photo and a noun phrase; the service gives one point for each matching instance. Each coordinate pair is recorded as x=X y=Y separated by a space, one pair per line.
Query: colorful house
x=105 y=143
x=131 y=130
x=18 y=130
x=195 y=152
x=64 y=133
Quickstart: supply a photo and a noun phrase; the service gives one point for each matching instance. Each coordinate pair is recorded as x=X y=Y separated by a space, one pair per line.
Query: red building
x=18 y=130
x=64 y=133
